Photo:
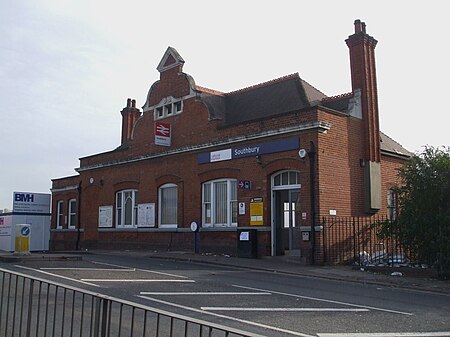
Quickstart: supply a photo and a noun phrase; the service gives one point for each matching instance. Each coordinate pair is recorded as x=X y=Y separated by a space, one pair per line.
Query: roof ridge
x=262 y=84
x=336 y=97
x=209 y=91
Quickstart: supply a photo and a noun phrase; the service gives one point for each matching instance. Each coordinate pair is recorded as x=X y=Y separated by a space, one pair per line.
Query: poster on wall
x=146 y=215
x=105 y=216
x=256 y=212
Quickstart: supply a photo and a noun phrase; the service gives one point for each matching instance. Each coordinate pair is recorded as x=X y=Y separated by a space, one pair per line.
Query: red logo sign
x=162 y=129
x=163 y=134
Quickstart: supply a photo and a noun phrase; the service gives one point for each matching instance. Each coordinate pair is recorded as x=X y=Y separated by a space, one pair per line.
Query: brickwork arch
x=276 y=165
x=218 y=174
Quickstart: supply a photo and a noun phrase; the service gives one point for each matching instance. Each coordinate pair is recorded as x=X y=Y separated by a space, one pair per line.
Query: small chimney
x=130 y=114
x=360 y=27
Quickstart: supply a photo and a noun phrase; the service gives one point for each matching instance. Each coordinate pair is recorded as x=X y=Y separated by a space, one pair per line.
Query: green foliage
x=423 y=222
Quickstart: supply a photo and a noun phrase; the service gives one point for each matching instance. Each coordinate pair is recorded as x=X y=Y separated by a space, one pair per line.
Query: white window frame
x=168 y=107
x=121 y=208
x=71 y=212
x=286 y=179
x=160 y=207
x=231 y=204
x=59 y=214
x=392 y=207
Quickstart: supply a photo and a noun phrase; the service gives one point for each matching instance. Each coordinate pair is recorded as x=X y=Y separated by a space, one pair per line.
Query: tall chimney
x=130 y=114
x=362 y=64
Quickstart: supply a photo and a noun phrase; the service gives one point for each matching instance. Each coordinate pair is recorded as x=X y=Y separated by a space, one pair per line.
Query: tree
x=423 y=222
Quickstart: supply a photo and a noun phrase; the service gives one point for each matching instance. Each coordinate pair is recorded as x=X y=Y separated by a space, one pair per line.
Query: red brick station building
x=273 y=157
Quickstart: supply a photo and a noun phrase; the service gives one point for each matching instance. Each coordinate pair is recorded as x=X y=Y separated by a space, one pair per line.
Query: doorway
x=285 y=213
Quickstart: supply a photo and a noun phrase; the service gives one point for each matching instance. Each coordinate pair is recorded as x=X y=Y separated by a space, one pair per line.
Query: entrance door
x=285 y=212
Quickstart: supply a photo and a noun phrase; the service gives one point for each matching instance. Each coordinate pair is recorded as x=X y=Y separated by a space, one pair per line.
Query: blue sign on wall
x=250 y=150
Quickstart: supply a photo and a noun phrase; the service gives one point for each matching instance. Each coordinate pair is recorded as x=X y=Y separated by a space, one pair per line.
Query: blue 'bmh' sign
x=250 y=150
x=28 y=202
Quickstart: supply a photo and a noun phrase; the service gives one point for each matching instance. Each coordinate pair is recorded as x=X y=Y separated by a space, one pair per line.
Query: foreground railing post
x=100 y=317
x=30 y=308
x=104 y=322
x=1 y=300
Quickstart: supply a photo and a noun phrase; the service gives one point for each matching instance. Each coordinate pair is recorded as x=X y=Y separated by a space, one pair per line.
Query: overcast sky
x=68 y=67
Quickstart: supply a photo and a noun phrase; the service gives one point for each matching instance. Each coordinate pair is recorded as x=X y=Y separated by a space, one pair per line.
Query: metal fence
x=33 y=307
x=357 y=241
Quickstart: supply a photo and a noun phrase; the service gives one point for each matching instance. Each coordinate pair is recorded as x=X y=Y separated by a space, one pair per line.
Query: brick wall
x=140 y=164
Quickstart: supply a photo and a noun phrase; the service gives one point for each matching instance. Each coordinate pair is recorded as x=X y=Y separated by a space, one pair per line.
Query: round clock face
x=194 y=226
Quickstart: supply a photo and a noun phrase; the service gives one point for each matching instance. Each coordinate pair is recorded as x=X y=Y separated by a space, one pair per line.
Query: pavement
x=423 y=279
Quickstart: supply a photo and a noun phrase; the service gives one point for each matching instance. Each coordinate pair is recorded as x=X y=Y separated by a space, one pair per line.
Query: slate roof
x=272 y=98
x=338 y=103
x=391 y=146
x=275 y=97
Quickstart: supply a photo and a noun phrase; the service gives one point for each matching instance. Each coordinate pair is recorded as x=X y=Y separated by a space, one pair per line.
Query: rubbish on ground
x=396 y=273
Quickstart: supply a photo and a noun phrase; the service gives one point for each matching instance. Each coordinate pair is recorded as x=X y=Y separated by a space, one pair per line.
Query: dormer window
x=177 y=106
x=159 y=112
x=168 y=107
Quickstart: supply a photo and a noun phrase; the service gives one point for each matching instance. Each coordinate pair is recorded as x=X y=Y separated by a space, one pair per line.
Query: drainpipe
x=312 y=179
x=78 y=217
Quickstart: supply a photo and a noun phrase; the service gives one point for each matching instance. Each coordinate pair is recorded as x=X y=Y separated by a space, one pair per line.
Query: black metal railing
x=34 y=307
x=358 y=240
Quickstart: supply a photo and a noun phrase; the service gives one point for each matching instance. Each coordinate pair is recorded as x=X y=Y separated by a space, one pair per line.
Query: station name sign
x=249 y=150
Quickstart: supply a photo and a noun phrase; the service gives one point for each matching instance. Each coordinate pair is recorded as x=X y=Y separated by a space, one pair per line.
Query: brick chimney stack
x=362 y=64
x=130 y=114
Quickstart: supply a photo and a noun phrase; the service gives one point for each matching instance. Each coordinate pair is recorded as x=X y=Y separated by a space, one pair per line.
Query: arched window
x=168 y=204
x=219 y=206
x=286 y=179
x=126 y=208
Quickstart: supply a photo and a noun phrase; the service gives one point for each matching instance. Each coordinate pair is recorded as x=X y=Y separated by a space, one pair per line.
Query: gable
x=170 y=59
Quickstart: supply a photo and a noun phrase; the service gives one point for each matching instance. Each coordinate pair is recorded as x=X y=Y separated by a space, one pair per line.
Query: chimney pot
x=359 y=26
x=128 y=102
x=133 y=103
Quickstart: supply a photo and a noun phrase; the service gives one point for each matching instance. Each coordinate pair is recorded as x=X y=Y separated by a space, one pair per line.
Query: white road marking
x=389 y=334
x=109 y=264
x=327 y=301
x=161 y=273
x=294 y=333
x=133 y=280
x=144 y=270
x=190 y=293
x=56 y=275
x=283 y=309
x=91 y=269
